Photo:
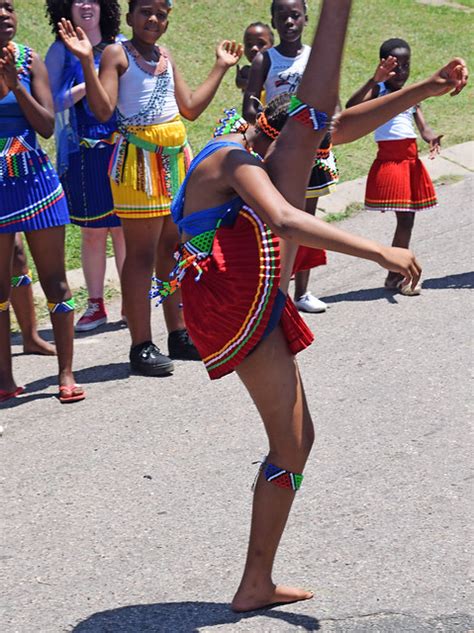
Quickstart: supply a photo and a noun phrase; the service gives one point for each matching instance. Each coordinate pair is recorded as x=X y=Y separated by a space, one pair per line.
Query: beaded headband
x=266 y=128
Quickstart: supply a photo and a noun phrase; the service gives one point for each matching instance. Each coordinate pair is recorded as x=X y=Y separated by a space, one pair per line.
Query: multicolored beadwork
x=307 y=115
x=231 y=123
x=4 y=306
x=63 y=307
x=21 y=280
x=282 y=478
x=263 y=124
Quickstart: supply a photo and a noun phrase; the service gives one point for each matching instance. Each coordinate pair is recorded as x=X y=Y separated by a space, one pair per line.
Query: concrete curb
x=457 y=160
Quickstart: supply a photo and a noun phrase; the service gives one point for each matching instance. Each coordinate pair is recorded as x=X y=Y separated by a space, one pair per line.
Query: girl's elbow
x=282 y=225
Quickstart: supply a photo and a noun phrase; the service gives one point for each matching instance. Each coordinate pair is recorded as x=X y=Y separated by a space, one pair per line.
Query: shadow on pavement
x=181 y=617
x=89 y=375
x=364 y=294
x=462 y=280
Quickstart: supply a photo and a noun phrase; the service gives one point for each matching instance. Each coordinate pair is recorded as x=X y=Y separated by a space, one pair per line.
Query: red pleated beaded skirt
x=398 y=180
x=229 y=300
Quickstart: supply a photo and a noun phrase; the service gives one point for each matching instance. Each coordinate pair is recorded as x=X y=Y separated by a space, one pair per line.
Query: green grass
x=435 y=33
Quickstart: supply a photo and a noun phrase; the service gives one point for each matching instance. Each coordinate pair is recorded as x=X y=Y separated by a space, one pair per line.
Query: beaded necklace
x=156 y=102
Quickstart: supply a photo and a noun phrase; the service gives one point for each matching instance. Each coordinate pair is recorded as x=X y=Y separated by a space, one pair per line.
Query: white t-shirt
x=284 y=74
x=401 y=126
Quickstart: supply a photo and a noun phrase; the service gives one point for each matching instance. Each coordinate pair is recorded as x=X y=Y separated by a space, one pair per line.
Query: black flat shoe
x=181 y=347
x=146 y=359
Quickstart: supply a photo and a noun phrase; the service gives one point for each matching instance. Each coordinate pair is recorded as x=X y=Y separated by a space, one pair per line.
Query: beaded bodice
x=146 y=91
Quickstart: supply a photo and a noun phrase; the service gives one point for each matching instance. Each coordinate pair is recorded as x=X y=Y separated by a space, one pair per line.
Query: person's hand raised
x=75 y=40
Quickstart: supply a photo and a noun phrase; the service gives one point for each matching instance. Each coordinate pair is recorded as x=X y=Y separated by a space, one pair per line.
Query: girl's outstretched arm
x=192 y=103
x=258 y=74
x=370 y=90
x=247 y=176
x=102 y=90
x=427 y=134
x=359 y=120
x=37 y=106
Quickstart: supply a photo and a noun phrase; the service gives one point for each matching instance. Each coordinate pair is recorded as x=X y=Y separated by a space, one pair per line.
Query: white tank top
x=401 y=126
x=284 y=74
x=146 y=90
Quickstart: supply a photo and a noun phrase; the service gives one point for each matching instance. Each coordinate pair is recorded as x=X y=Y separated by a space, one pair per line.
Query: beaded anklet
x=307 y=115
x=63 y=307
x=4 y=306
x=21 y=280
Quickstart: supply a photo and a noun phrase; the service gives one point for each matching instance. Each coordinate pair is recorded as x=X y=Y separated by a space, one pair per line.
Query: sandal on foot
x=7 y=395
x=71 y=393
x=406 y=289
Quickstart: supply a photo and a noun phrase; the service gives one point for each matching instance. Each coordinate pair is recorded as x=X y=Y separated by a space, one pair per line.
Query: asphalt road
x=129 y=512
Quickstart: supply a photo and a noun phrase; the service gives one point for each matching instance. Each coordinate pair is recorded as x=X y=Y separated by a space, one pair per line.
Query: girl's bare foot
x=36 y=345
x=253 y=598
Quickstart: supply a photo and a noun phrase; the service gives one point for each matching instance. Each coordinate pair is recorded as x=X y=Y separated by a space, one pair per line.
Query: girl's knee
x=56 y=289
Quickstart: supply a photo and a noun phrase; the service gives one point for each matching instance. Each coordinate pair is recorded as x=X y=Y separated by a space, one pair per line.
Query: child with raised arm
x=32 y=201
x=232 y=269
x=140 y=80
x=84 y=148
x=276 y=71
x=398 y=181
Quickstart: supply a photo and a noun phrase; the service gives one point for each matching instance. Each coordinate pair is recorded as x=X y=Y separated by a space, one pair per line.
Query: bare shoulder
x=114 y=56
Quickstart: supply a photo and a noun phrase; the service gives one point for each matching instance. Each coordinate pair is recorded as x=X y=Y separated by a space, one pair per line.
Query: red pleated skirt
x=228 y=303
x=398 y=180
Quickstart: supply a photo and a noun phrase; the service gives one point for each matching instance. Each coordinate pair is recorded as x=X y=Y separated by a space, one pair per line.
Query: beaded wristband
x=63 y=307
x=21 y=280
x=307 y=115
x=282 y=478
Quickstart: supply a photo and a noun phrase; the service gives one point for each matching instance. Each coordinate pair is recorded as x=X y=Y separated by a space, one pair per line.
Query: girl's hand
x=228 y=53
x=75 y=40
x=8 y=72
x=435 y=145
x=385 y=70
x=451 y=78
x=401 y=260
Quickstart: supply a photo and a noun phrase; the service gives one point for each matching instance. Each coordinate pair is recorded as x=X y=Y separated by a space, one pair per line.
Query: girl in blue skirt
x=84 y=146
x=32 y=200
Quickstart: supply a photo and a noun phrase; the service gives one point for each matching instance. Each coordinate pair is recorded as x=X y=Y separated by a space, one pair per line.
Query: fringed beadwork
x=4 y=306
x=307 y=115
x=21 y=280
x=63 y=307
x=231 y=123
x=281 y=477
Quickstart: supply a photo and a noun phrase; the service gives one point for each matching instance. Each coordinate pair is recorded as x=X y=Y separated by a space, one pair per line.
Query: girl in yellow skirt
x=150 y=160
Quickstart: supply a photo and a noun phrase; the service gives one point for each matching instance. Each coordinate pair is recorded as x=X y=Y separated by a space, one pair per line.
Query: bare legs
x=290 y=433
x=302 y=278
x=149 y=243
x=94 y=257
x=401 y=238
x=7 y=382
x=23 y=304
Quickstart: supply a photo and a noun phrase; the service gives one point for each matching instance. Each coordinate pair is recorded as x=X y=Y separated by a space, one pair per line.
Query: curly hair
x=109 y=16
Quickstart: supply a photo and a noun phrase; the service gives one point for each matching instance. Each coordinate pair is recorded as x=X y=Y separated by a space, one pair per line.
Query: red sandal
x=7 y=395
x=71 y=393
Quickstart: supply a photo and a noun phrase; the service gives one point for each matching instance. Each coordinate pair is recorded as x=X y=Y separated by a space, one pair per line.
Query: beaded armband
x=265 y=127
x=231 y=123
x=63 y=307
x=307 y=115
x=21 y=280
x=4 y=306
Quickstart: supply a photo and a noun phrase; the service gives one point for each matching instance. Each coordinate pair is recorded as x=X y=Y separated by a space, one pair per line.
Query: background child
x=149 y=162
x=32 y=200
x=278 y=70
x=398 y=180
x=83 y=146
x=257 y=37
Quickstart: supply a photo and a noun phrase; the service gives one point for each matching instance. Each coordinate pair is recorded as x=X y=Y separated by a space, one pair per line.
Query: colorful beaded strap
x=21 y=280
x=279 y=476
x=63 y=307
x=4 y=306
x=307 y=115
x=231 y=123
x=265 y=127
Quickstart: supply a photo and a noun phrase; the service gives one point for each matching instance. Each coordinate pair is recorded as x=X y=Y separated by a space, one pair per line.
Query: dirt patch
x=447 y=3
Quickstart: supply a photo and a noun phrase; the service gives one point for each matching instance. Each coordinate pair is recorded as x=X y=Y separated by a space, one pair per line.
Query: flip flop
x=71 y=393
x=7 y=395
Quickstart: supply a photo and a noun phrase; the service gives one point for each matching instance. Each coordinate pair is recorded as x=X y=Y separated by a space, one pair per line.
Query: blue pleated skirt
x=87 y=186
x=31 y=195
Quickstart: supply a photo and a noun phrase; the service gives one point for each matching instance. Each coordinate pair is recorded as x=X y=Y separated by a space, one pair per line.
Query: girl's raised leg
x=282 y=406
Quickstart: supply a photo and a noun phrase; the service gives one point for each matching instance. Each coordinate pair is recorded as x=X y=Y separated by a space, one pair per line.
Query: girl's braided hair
x=303 y=2
x=276 y=113
x=109 y=16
